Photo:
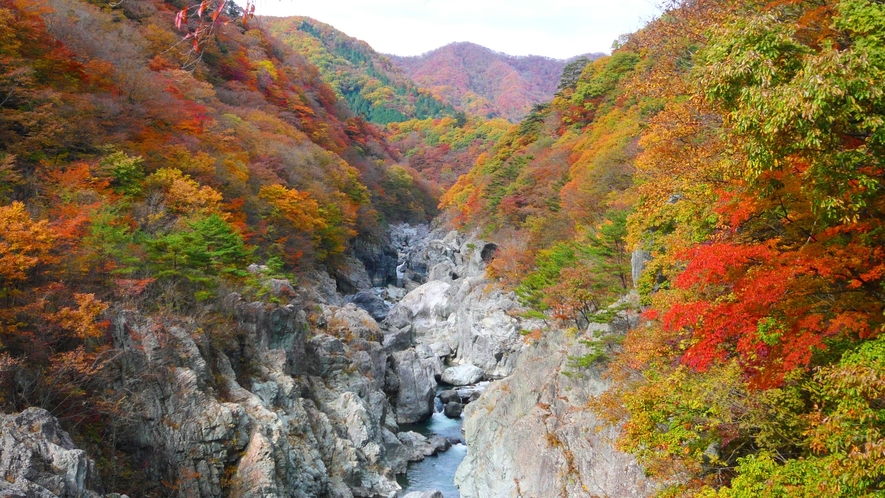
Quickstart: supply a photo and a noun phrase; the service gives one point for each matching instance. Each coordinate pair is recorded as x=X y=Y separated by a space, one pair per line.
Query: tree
x=24 y=244
x=208 y=248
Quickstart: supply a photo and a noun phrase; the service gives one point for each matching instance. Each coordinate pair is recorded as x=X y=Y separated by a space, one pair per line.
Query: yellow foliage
x=184 y=196
x=297 y=207
x=23 y=242
x=82 y=320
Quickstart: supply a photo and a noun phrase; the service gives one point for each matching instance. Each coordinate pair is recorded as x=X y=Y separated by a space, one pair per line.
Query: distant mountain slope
x=372 y=86
x=484 y=82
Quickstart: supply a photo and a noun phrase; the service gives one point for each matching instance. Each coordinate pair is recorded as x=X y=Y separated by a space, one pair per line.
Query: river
x=438 y=471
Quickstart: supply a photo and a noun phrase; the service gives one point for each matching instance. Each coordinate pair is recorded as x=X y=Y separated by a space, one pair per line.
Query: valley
x=251 y=256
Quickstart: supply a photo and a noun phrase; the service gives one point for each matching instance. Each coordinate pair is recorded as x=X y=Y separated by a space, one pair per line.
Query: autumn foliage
x=150 y=151
x=760 y=199
x=745 y=140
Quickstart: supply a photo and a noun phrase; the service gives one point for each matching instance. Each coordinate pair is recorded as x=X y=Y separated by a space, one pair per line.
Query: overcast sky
x=554 y=28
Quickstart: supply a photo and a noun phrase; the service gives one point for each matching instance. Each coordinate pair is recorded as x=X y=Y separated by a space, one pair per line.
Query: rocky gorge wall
x=306 y=398
x=277 y=400
x=533 y=434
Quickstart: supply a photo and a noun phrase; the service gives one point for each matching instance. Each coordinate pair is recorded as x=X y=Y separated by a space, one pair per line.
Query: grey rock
x=349 y=322
x=457 y=306
x=428 y=357
x=441 y=350
x=509 y=429
x=445 y=271
x=371 y=302
x=320 y=287
x=453 y=409
x=351 y=276
x=415 y=393
x=468 y=394
x=310 y=421
x=398 y=339
x=449 y=395
x=326 y=355
x=378 y=256
x=281 y=288
x=395 y=293
x=398 y=331
x=638 y=260
x=435 y=493
x=462 y=375
x=420 y=446
x=39 y=459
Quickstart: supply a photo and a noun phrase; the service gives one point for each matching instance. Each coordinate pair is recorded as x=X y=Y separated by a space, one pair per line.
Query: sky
x=552 y=28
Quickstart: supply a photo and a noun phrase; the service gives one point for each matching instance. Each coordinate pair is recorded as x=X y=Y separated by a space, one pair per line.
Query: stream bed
x=437 y=471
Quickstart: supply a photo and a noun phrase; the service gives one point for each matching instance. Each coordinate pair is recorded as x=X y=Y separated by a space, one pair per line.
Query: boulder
x=429 y=357
x=371 y=302
x=398 y=331
x=453 y=409
x=441 y=349
x=450 y=395
x=445 y=271
x=462 y=375
x=420 y=446
x=395 y=293
x=434 y=493
x=468 y=394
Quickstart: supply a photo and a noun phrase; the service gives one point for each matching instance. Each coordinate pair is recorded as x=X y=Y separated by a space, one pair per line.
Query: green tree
x=126 y=172
x=207 y=249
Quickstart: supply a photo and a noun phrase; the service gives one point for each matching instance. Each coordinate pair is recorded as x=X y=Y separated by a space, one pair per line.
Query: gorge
x=244 y=256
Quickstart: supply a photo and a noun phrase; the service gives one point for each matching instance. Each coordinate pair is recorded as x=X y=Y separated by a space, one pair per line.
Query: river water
x=438 y=471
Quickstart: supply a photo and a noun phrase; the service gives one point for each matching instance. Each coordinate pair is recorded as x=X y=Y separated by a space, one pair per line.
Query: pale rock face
x=309 y=419
x=38 y=459
x=462 y=375
x=533 y=435
x=457 y=307
x=417 y=386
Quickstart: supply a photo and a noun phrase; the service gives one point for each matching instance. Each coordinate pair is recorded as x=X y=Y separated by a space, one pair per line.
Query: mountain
x=727 y=164
x=484 y=82
x=373 y=87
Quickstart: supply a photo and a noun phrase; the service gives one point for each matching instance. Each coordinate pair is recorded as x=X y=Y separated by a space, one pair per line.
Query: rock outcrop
x=417 y=386
x=275 y=403
x=39 y=460
x=532 y=434
x=454 y=308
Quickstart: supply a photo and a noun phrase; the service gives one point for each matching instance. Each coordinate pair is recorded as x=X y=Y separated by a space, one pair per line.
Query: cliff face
x=303 y=414
x=457 y=309
x=39 y=459
x=532 y=433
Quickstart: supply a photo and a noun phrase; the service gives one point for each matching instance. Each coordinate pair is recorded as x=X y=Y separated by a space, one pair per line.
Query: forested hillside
x=485 y=83
x=143 y=171
x=373 y=87
x=737 y=149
